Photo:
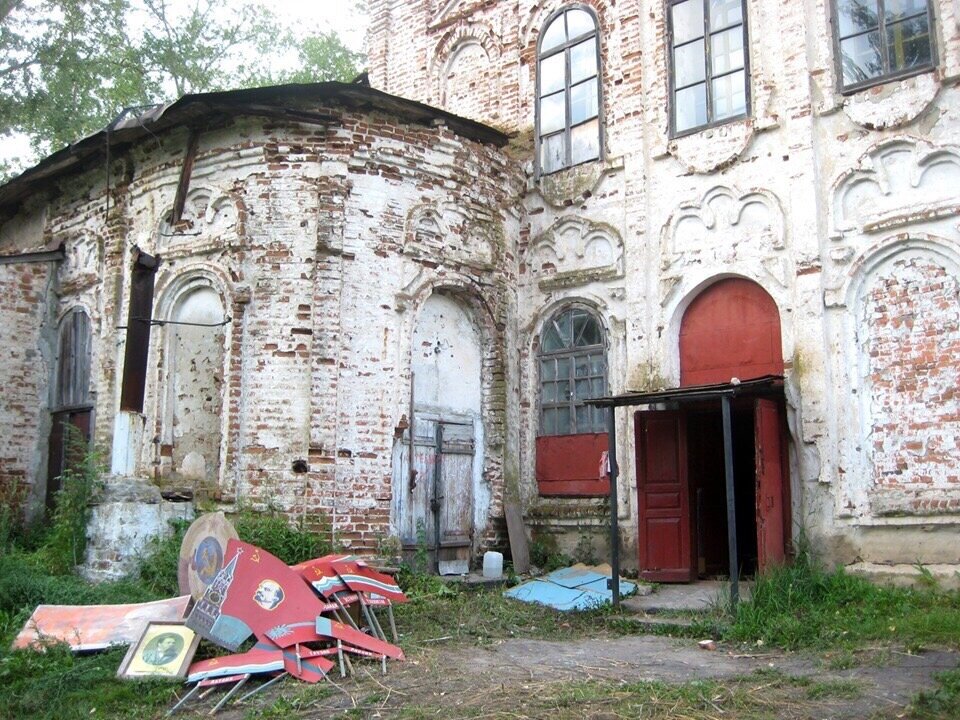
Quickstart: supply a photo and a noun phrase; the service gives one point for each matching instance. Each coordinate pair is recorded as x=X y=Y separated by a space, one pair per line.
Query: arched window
x=573 y=369
x=568 y=91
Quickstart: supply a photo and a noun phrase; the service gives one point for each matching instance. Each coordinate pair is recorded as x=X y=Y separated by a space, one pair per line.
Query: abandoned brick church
x=382 y=307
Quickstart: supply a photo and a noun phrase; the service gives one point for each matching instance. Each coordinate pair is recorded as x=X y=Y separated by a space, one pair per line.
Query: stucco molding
x=573 y=252
x=212 y=219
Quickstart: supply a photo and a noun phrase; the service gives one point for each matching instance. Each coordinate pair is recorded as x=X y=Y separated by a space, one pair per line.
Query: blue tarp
x=573 y=588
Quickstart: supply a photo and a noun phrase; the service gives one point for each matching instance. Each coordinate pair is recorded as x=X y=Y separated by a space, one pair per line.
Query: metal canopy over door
x=768 y=433
x=439 y=508
x=666 y=553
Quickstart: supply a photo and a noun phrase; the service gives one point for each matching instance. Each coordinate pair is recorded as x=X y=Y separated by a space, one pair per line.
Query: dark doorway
x=681 y=483
x=705 y=453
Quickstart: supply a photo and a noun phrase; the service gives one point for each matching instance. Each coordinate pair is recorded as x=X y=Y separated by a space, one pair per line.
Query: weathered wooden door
x=69 y=442
x=665 y=540
x=438 y=512
x=768 y=436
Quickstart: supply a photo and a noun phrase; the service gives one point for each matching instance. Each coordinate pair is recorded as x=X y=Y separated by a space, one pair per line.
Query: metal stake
x=193 y=691
x=731 y=503
x=229 y=695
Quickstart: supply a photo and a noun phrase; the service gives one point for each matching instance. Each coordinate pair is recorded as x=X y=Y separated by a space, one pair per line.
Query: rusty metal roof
x=693 y=393
x=281 y=102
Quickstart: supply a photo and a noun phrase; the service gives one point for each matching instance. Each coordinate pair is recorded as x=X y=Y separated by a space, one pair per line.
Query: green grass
x=944 y=702
x=801 y=606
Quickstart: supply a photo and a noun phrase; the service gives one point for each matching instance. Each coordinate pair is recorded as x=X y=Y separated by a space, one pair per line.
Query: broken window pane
x=585 y=142
x=552 y=151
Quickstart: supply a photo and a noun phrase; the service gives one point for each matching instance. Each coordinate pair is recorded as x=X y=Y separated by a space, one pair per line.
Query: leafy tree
x=323 y=58
x=68 y=67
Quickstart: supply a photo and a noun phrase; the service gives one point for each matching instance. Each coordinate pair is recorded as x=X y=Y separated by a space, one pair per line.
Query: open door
x=666 y=548
x=768 y=436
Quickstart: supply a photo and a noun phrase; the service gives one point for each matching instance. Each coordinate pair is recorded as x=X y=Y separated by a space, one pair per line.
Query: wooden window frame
x=567 y=130
x=709 y=77
x=571 y=354
x=887 y=76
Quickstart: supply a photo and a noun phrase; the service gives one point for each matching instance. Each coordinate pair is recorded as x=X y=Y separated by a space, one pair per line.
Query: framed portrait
x=164 y=650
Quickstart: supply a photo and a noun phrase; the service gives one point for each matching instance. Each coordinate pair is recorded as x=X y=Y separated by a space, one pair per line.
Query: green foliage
x=323 y=58
x=272 y=531
x=158 y=569
x=59 y=685
x=546 y=555
x=944 y=702
x=68 y=67
x=66 y=540
x=803 y=606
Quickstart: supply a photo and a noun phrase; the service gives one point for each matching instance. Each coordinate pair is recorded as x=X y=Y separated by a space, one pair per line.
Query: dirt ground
x=598 y=678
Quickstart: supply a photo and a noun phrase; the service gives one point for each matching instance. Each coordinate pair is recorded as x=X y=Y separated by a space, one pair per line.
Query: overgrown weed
x=802 y=606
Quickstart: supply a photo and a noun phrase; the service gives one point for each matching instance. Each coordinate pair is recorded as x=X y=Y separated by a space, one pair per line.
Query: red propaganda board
x=256 y=593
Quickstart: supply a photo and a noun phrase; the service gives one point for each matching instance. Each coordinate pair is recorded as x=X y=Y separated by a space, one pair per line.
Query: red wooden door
x=666 y=547
x=768 y=437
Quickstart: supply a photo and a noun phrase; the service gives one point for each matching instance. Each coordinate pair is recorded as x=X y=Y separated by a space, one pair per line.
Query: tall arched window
x=568 y=90
x=572 y=435
x=573 y=369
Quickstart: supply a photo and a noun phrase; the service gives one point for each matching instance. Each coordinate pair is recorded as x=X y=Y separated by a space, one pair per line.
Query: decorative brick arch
x=467 y=53
x=730 y=330
x=904 y=362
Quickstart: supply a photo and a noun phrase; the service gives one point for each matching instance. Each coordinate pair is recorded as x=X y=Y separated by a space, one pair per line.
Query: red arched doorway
x=730 y=330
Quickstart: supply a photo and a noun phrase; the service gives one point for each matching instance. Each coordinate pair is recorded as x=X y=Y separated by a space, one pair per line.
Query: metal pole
x=731 y=503
x=614 y=519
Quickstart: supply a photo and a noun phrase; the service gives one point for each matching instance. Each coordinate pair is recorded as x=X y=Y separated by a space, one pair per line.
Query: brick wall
x=27 y=337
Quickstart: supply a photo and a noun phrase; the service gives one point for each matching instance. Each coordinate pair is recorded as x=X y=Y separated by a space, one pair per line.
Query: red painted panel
x=666 y=547
x=770 y=481
x=732 y=329
x=569 y=465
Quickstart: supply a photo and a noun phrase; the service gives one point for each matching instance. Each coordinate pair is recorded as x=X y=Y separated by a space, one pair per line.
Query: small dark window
x=709 y=62
x=573 y=368
x=878 y=40
x=72 y=385
x=568 y=98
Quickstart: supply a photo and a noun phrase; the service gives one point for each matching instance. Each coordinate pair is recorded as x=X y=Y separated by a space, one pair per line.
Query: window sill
x=849 y=90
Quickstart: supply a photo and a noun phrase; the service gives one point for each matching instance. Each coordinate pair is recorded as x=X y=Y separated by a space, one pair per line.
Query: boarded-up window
x=72 y=385
x=139 y=319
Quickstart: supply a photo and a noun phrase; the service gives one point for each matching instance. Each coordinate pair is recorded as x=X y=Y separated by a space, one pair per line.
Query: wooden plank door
x=454 y=495
x=768 y=437
x=666 y=547
x=416 y=519
x=69 y=442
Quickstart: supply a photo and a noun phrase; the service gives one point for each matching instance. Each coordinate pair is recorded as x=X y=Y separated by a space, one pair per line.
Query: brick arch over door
x=731 y=329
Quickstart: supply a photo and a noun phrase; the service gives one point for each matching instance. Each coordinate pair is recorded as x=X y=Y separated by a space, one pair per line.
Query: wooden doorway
x=729 y=334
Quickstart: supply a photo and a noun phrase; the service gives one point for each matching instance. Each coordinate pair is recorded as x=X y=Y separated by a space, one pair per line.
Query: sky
x=304 y=17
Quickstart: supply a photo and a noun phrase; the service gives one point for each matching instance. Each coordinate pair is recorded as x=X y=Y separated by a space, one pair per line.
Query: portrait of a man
x=268 y=595
x=163 y=649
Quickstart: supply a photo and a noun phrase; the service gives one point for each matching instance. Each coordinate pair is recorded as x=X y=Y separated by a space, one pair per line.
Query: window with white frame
x=880 y=40
x=709 y=63
x=573 y=369
x=568 y=90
